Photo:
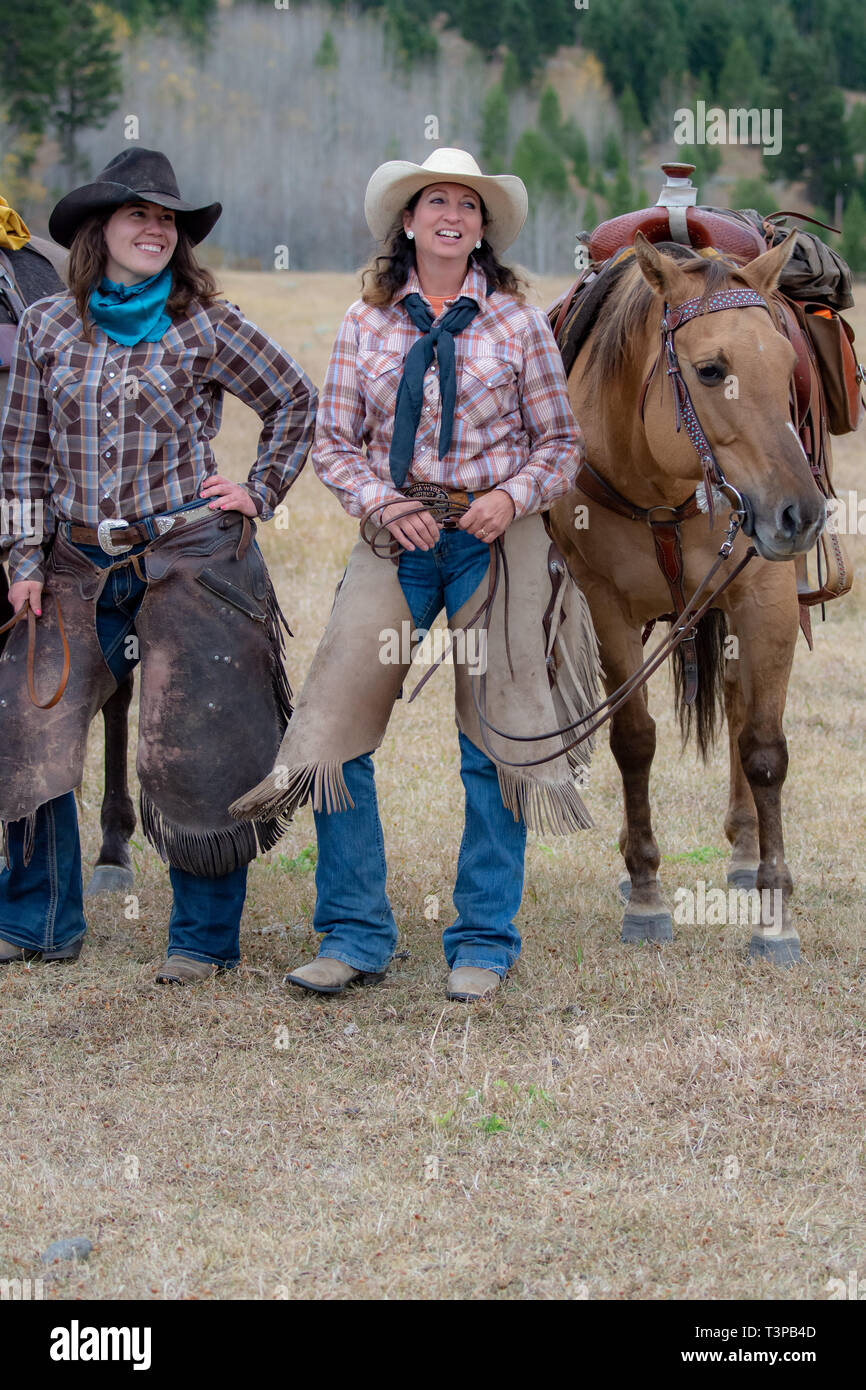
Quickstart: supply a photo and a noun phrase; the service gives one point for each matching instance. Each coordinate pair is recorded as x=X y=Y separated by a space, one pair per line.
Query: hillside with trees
x=283 y=109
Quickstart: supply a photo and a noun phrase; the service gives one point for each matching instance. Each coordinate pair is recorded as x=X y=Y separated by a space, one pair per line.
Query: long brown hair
x=88 y=257
x=388 y=272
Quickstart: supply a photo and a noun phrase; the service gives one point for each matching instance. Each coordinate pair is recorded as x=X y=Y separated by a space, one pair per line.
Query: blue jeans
x=42 y=904
x=352 y=907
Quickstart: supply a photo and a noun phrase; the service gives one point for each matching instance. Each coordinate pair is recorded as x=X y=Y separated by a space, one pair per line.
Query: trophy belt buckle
x=103 y=535
x=436 y=498
x=112 y=523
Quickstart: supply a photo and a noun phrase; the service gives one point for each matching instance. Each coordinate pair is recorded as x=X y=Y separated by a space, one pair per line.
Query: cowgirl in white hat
x=444 y=388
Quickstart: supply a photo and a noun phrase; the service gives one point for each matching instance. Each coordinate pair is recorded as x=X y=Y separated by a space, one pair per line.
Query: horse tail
x=704 y=717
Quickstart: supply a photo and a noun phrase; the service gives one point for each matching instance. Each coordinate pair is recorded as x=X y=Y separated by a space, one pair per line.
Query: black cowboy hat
x=133 y=176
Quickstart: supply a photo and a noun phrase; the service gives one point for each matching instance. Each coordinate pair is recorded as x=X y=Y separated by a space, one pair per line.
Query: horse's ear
x=659 y=271
x=762 y=274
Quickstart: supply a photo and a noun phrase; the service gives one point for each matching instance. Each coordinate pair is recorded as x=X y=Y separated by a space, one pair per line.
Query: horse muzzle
x=791 y=528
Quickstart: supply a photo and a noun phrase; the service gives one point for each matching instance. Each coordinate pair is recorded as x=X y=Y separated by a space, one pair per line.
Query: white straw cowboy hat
x=394 y=183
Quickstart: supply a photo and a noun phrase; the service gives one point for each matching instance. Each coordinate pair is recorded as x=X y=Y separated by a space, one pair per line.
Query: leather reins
x=26 y=611
x=689 y=618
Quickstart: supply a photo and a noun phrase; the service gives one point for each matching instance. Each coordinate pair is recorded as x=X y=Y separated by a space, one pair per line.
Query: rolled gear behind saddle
x=215 y=700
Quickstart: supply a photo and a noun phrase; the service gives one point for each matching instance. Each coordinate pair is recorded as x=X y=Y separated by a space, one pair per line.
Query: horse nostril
x=789 y=521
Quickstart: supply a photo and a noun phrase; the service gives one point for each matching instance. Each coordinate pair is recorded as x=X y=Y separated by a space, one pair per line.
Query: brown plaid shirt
x=102 y=430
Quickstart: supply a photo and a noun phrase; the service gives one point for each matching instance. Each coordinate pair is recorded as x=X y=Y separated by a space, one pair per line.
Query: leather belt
x=133 y=532
x=443 y=499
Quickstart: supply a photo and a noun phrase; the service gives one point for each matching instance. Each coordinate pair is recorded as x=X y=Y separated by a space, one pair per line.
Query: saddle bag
x=832 y=338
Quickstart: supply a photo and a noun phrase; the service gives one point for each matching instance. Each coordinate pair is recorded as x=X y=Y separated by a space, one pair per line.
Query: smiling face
x=140 y=239
x=447 y=221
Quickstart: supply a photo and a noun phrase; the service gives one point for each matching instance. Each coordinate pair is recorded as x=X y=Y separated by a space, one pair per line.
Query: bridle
x=685 y=412
x=688 y=614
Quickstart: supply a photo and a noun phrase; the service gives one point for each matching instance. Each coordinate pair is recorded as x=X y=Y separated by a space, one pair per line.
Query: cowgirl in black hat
x=115 y=395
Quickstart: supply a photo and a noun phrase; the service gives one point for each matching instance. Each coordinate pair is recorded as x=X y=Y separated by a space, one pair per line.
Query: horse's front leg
x=741 y=820
x=633 y=744
x=768 y=636
x=113 y=872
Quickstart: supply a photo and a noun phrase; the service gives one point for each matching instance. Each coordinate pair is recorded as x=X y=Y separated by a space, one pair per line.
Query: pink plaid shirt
x=513 y=423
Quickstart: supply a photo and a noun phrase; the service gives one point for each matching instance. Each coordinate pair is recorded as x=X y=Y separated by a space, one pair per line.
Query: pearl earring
x=478 y=246
x=410 y=236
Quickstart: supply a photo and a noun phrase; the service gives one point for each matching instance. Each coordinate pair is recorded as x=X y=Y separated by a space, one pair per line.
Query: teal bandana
x=132 y=314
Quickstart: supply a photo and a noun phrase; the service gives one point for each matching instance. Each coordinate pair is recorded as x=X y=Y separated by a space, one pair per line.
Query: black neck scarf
x=438 y=341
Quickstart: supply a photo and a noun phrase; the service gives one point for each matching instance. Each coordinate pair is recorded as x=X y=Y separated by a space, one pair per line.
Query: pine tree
x=752 y=193
x=494 y=130
x=550 y=114
x=611 y=155
x=511 y=78
x=709 y=34
x=857 y=128
x=408 y=34
x=622 y=198
x=815 y=135
x=574 y=145
x=540 y=165
x=518 y=32
x=326 y=54
x=590 y=215
x=629 y=112
x=740 y=83
x=480 y=21
x=853 y=244
x=59 y=72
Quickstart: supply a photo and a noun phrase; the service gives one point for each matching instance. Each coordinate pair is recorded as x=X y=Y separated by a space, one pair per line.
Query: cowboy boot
x=183 y=970
x=324 y=975
x=9 y=953
x=468 y=983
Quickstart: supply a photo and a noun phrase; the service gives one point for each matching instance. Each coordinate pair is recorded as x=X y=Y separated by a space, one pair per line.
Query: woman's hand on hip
x=489 y=516
x=24 y=590
x=228 y=496
x=416 y=531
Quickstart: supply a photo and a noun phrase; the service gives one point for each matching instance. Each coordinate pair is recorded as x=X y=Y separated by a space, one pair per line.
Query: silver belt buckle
x=103 y=535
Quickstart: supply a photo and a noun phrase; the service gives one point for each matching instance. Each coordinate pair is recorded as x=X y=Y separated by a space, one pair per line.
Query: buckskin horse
x=642 y=543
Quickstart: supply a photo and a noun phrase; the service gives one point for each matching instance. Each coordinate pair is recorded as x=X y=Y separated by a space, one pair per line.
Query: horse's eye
x=710 y=374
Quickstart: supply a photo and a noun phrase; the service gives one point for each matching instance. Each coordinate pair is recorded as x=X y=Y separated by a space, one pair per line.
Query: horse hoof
x=743 y=878
x=624 y=886
x=109 y=878
x=647 y=926
x=781 y=950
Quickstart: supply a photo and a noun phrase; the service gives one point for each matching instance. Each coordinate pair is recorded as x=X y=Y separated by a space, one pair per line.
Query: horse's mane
x=623 y=312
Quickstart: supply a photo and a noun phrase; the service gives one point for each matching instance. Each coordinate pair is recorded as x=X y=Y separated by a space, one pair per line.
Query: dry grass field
x=621 y=1122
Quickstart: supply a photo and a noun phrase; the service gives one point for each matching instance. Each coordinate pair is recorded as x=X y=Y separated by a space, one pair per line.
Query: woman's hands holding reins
x=487 y=518
x=418 y=531
x=24 y=590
